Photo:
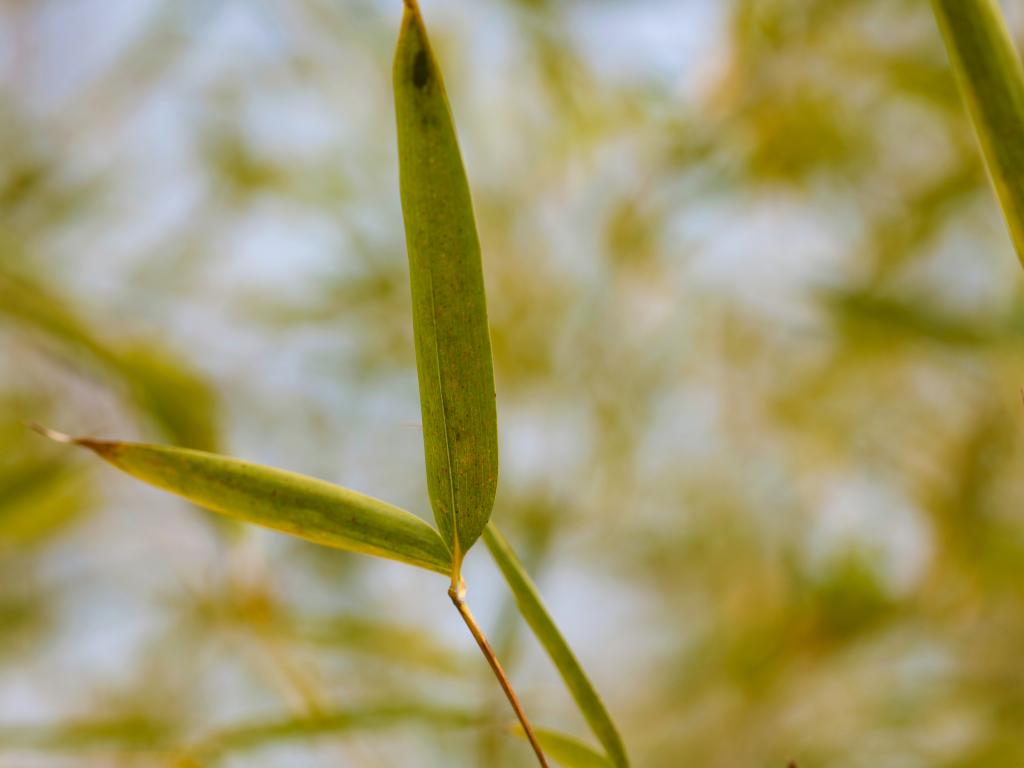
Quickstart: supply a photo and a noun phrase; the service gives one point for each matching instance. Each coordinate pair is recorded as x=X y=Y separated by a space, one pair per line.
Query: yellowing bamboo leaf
x=991 y=78
x=568 y=751
x=532 y=609
x=285 y=501
x=453 y=348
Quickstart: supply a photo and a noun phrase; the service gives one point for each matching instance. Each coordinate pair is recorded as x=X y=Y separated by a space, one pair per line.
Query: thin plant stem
x=458 y=596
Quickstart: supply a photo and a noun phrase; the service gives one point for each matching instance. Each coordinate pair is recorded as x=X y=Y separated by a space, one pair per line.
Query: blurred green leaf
x=271 y=732
x=568 y=751
x=453 y=349
x=26 y=611
x=37 y=500
x=132 y=733
x=285 y=501
x=182 y=405
x=991 y=79
x=532 y=609
x=880 y=320
x=398 y=645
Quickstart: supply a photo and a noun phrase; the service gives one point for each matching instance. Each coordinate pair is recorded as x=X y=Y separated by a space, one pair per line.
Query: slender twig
x=458 y=596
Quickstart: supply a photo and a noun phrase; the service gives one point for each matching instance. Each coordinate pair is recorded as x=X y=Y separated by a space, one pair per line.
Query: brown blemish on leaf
x=421 y=70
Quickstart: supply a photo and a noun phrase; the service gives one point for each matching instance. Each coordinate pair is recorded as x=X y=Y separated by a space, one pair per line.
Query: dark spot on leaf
x=420 y=70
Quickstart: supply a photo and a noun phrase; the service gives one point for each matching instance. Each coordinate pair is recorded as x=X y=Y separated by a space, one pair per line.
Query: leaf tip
x=102 y=447
x=52 y=434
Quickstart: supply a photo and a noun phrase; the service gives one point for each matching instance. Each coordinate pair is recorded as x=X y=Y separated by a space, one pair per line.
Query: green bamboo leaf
x=453 y=348
x=532 y=609
x=567 y=751
x=285 y=501
x=991 y=78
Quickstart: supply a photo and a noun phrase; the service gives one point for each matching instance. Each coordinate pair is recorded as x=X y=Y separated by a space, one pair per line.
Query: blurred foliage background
x=758 y=331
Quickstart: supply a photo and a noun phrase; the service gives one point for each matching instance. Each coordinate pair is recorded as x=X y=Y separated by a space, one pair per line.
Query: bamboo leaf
x=453 y=348
x=532 y=609
x=285 y=501
x=991 y=79
x=568 y=751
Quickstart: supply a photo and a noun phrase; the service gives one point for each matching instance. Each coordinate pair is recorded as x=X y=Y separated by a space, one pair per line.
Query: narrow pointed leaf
x=285 y=501
x=532 y=609
x=991 y=78
x=567 y=751
x=453 y=349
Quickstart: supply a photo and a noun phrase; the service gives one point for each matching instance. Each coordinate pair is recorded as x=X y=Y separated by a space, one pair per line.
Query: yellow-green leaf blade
x=453 y=349
x=536 y=615
x=991 y=78
x=302 y=506
x=567 y=751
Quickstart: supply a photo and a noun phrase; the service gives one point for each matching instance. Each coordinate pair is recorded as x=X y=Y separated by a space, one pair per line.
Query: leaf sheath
x=533 y=610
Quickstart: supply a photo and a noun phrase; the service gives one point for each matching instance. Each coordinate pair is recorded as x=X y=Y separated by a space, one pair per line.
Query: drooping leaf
x=453 y=349
x=991 y=78
x=536 y=614
x=285 y=501
x=568 y=751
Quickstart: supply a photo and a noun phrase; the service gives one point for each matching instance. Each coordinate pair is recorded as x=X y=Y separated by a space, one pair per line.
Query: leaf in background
x=37 y=500
x=991 y=79
x=453 y=348
x=878 y=320
x=393 y=644
x=39 y=495
x=540 y=621
x=128 y=734
x=568 y=751
x=181 y=403
x=178 y=401
x=259 y=734
x=285 y=501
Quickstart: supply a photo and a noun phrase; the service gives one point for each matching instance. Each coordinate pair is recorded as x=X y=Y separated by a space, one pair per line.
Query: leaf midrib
x=455 y=545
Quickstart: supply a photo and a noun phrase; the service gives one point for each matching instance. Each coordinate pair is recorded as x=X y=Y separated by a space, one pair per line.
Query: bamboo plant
x=457 y=400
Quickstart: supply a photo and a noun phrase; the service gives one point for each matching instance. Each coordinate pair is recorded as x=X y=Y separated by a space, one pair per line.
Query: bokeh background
x=759 y=341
